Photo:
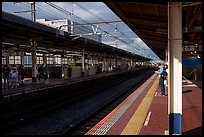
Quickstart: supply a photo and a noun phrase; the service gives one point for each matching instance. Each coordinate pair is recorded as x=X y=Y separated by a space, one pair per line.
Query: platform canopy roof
x=19 y=31
x=149 y=20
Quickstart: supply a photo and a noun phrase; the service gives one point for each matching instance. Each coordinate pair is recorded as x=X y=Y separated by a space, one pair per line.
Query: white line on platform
x=147 y=119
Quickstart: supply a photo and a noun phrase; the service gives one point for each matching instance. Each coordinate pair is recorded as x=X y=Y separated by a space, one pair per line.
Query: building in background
x=85 y=31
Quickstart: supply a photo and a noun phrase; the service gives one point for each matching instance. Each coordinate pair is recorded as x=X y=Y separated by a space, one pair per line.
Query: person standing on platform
x=88 y=71
x=69 y=71
x=6 y=71
x=161 y=79
x=14 y=81
x=164 y=75
x=22 y=73
x=40 y=72
x=45 y=72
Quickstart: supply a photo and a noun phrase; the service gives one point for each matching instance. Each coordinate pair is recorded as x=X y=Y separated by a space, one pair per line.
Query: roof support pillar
x=117 y=60
x=53 y=59
x=7 y=55
x=33 y=44
x=175 y=67
x=82 y=63
x=22 y=58
x=131 y=64
x=104 y=62
x=44 y=59
x=63 y=68
x=93 y=60
x=7 y=59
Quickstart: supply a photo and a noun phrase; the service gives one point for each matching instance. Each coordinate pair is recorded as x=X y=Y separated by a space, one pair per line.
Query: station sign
x=188 y=48
x=192 y=36
x=192 y=29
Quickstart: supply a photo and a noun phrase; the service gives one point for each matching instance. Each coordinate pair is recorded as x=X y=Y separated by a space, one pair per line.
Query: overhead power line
x=81 y=20
x=115 y=26
x=75 y=18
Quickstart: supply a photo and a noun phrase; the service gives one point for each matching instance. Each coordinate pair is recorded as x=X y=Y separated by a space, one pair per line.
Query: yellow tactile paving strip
x=106 y=123
x=136 y=122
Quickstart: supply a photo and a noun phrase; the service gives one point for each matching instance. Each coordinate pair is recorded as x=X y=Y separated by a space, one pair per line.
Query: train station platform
x=52 y=83
x=28 y=86
x=145 y=112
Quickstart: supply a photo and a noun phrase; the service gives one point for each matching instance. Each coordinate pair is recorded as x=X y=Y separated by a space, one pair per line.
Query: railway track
x=82 y=127
x=24 y=115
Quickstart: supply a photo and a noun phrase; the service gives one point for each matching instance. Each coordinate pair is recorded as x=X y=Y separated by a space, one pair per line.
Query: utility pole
x=33 y=46
x=72 y=10
x=32 y=6
x=116 y=43
x=72 y=21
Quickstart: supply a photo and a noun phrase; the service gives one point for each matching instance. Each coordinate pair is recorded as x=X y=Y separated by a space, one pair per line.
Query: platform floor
x=29 y=86
x=145 y=112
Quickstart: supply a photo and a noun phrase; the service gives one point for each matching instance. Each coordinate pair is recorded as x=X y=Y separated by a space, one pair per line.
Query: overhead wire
x=84 y=21
x=50 y=12
x=88 y=11
x=81 y=20
x=78 y=19
x=91 y=13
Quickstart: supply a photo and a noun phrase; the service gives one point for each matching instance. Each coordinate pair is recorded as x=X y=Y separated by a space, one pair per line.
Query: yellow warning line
x=136 y=122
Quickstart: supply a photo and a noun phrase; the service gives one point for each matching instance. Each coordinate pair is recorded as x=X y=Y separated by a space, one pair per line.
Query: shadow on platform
x=195 y=131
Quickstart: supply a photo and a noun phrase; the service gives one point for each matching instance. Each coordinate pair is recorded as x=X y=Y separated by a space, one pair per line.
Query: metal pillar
x=96 y=60
x=88 y=61
x=32 y=4
x=22 y=58
x=175 y=67
x=62 y=65
x=7 y=56
x=117 y=62
x=34 y=60
x=93 y=60
x=53 y=58
x=44 y=59
x=131 y=64
x=7 y=59
x=104 y=62
x=82 y=63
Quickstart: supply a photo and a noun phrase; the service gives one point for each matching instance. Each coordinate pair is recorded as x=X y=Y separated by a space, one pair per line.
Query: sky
x=97 y=12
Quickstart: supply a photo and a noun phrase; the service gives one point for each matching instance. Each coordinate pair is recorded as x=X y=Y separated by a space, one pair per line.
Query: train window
x=11 y=59
x=39 y=60
x=65 y=61
x=17 y=59
x=57 y=60
x=14 y=59
x=3 y=60
x=49 y=60
x=27 y=60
